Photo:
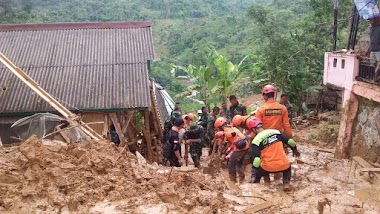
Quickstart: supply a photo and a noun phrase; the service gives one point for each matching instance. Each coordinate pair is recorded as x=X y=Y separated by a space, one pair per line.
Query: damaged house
x=96 y=70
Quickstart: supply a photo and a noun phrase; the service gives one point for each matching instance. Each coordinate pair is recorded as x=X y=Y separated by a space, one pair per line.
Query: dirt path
x=50 y=177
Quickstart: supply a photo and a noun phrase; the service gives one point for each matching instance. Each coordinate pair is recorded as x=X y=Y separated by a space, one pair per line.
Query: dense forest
x=285 y=40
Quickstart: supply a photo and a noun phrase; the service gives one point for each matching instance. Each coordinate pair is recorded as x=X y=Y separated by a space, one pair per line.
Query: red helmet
x=268 y=89
x=254 y=122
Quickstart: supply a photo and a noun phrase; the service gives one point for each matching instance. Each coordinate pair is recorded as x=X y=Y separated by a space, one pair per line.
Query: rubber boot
x=266 y=179
x=241 y=179
x=197 y=164
x=287 y=187
x=277 y=176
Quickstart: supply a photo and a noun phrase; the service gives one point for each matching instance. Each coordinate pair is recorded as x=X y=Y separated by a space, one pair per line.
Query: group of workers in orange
x=267 y=134
x=270 y=134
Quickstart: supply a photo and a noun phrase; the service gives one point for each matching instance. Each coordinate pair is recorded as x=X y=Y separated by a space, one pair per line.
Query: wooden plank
x=116 y=123
x=148 y=139
x=155 y=149
x=231 y=185
x=128 y=116
x=105 y=126
x=258 y=207
x=370 y=170
x=326 y=150
x=156 y=120
x=363 y=163
x=64 y=136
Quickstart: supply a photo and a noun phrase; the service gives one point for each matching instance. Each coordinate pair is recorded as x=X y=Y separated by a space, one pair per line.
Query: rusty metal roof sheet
x=86 y=66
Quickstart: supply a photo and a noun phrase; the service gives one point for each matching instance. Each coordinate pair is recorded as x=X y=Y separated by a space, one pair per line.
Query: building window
x=335 y=62
x=343 y=63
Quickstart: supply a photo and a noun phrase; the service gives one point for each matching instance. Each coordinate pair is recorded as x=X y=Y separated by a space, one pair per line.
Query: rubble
x=52 y=177
x=98 y=177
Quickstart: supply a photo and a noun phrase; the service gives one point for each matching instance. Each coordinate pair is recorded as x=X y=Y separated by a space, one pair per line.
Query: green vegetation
x=287 y=38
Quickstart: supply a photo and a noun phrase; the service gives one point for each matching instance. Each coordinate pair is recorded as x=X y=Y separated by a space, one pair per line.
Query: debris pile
x=54 y=177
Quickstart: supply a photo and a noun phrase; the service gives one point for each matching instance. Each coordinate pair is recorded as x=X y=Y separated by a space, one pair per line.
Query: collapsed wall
x=366 y=131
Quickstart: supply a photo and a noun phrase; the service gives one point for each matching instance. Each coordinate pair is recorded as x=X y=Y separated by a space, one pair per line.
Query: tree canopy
x=287 y=37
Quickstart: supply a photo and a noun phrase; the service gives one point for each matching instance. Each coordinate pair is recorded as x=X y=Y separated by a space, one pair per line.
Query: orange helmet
x=268 y=89
x=220 y=122
x=254 y=122
x=191 y=116
x=237 y=120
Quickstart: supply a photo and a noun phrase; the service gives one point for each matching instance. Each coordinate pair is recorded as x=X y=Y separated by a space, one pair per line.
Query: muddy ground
x=53 y=177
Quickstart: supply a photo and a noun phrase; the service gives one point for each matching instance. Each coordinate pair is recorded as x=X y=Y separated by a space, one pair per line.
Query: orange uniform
x=269 y=151
x=233 y=135
x=274 y=116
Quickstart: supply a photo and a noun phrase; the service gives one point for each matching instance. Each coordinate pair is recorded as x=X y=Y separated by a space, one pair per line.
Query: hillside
x=286 y=37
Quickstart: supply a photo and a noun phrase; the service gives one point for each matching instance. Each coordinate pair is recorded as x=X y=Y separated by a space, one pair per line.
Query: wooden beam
x=326 y=150
x=156 y=120
x=71 y=117
x=155 y=146
x=115 y=121
x=146 y=131
x=106 y=126
x=125 y=126
x=363 y=163
x=258 y=207
x=370 y=170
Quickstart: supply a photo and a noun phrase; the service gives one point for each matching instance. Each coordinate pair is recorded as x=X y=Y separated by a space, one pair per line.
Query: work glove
x=296 y=153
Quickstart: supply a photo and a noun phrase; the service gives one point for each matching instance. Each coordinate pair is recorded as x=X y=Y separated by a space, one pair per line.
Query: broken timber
x=363 y=163
x=71 y=117
x=119 y=132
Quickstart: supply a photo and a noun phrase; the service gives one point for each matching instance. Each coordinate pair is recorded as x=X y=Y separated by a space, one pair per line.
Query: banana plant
x=204 y=79
x=227 y=73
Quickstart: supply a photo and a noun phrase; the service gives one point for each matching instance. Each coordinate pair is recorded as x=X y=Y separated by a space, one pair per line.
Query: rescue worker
x=193 y=137
x=269 y=155
x=172 y=147
x=242 y=122
x=176 y=112
x=210 y=131
x=238 y=144
x=188 y=119
x=225 y=113
x=236 y=107
x=285 y=101
x=273 y=114
x=204 y=116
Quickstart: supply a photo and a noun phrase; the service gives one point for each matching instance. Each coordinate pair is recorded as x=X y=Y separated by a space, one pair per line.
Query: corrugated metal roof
x=98 y=87
x=86 y=66
x=160 y=103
